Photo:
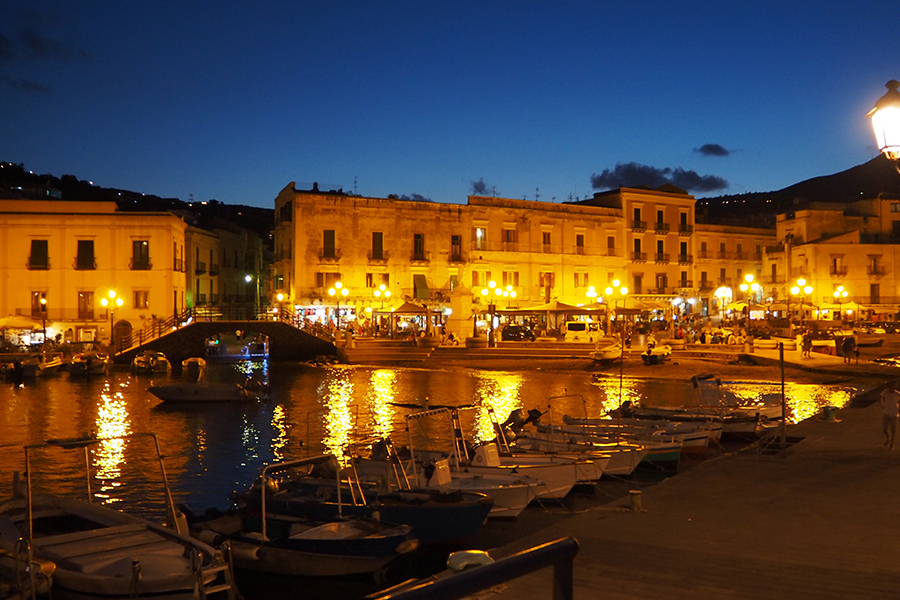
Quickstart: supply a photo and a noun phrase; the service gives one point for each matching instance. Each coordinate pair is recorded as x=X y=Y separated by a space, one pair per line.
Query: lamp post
x=800 y=288
x=110 y=303
x=750 y=288
x=724 y=295
x=491 y=293
x=382 y=293
x=886 y=121
x=617 y=292
x=337 y=291
x=839 y=294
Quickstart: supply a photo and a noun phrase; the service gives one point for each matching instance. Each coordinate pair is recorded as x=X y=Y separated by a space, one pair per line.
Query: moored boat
x=204 y=392
x=150 y=361
x=88 y=364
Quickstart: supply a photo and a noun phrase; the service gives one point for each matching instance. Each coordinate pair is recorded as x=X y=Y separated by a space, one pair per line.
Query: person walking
x=847 y=347
x=890 y=410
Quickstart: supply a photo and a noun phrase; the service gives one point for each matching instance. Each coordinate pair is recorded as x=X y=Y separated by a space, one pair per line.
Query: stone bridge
x=286 y=342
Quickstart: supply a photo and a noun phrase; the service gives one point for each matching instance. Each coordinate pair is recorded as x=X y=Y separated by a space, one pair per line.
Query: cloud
x=37 y=45
x=415 y=198
x=712 y=150
x=479 y=187
x=636 y=174
x=24 y=85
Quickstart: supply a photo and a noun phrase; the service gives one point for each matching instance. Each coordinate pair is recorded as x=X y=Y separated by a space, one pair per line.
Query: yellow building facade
x=432 y=252
x=60 y=262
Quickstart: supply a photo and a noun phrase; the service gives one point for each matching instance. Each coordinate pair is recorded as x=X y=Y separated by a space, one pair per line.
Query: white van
x=583 y=331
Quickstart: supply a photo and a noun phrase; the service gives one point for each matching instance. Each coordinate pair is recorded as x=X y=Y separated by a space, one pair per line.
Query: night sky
x=554 y=100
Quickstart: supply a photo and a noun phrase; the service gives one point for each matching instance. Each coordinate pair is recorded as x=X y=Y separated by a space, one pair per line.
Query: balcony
x=85 y=264
x=837 y=271
x=661 y=227
x=85 y=314
x=378 y=258
x=685 y=229
x=772 y=279
x=639 y=225
x=722 y=255
x=420 y=257
x=659 y=291
x=213 y=270
x=661 y=257
x=612 y=252
x=579 y=250
x=329 y=254
x=705 y=254
x=141 y=264
x=876 y=270
x=639 y=256
x=706 y=285
x=178 y=266
x=456 y=257
x=39 y=264
x=685 y=259
x=200 y=268
x=509 y=246
x=686 y=284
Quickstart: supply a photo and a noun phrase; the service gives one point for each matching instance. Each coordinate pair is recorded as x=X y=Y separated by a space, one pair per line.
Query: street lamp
x=336 y=292
x=839 y=294
x=491 y=293
x=724 y=296
x=886 y=121
x=509 y=293
x=750 y=288
x=382 y=293
x=110 y=303
x=800 y=288
x=617 y=292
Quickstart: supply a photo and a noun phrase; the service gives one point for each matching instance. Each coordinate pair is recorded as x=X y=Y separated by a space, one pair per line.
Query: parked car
x=583 y=331
x=517 y=333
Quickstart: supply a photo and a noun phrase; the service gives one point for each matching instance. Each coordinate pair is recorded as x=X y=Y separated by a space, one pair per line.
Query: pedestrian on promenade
x=890 y=405
x=807 y=346
x=847 y=348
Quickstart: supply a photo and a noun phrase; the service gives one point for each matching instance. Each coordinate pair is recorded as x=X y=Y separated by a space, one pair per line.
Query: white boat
x=194 y=362
x=40 y=365
x=204 y=392
x=101 y=552
x=622 y=458
x=607 y=354
x=150 y=361
x=86 y=364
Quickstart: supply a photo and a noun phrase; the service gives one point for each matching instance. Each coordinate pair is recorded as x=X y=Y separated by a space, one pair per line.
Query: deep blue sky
x=233 y=100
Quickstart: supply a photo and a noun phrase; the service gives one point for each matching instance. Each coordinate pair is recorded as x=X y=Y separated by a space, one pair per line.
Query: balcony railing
x=772 y=279
x=143 y=264
x=456 y=257
x=85 y=264
x=178 y=265
x=661 y=257
x=684 y=229
x=578 y=250
x=876 y=270
x=420 y=257
x=661 y=291
x=704 y=254
x=722 y=255
x=837 y=271
x=329 y=253
x=661 y=227
x=686 y=283
x=213 y=270
x=639 y=225
x=685 y=259
x=706 y=285
x=200 y=268
x=39 y=265
x=378 y=256
x=612 y=252
x=639 y=256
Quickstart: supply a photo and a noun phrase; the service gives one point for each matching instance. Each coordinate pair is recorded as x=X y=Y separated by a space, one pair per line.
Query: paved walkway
x=817 y=521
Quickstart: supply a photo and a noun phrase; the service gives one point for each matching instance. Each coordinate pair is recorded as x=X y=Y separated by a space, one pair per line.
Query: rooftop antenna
x=536 y=194
x=354 y=185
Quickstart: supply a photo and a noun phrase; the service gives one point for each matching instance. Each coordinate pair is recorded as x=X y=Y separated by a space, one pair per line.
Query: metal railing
x=560 y=554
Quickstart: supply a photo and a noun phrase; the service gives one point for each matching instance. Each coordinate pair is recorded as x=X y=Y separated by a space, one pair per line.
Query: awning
x=420 y=287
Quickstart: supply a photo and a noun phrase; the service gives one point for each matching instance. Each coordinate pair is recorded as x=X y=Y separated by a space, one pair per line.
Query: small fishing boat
x=150 y=361
x=206 y=392
x=607 y=354
x=102 y=552
x=89 y=364
x=265 y=536
x=194 y=362
x=655 y=355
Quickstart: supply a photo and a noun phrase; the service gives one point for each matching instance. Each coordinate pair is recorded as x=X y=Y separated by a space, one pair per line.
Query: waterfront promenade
x=819 y=520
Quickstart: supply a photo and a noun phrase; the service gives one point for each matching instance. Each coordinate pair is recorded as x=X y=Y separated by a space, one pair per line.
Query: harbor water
x=213 y=449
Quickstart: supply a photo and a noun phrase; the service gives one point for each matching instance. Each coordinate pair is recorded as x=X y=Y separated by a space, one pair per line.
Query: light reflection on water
x=213 y=449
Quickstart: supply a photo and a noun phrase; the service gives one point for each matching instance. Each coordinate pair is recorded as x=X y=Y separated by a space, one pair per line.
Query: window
x=638 y=284
x=480 y=278
x=480 y=238
x=456 y=248
x=660 y=216
x=140 y=299
x=611 y=245
x=140 y=255
x=373 y=280
x=509 y=236
x=85 y=305
x=661 y=283
x=420 y=287
x=579 y=243
x=581 y=280
x=85 y=259
x=377 y=245
x=419 y=246
x=39 y=258
x=548 y=280
x=39 y=305
x=511 y=278
x=875 y=293
x=328 y=243
x=545 y=240
x=326 y=280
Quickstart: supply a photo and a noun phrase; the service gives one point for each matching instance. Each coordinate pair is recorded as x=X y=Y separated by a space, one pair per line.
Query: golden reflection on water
x=383 y=383
x=109 y=455
x=336 y=399
x=803 y=400
x=617 y=391
x=280 y=426
x=500 y=392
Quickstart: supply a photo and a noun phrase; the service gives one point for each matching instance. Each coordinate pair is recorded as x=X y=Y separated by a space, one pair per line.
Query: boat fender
x=464 y=559
x=245 y=552
x=210 y=537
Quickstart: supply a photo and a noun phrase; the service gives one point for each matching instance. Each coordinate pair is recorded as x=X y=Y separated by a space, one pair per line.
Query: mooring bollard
x=636 y=500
